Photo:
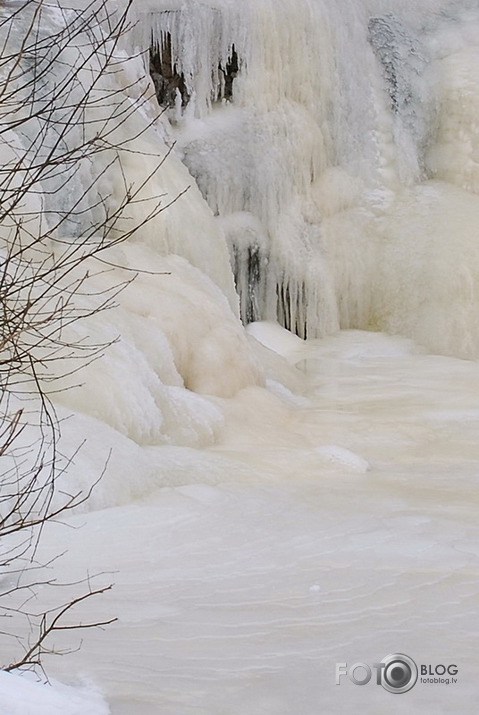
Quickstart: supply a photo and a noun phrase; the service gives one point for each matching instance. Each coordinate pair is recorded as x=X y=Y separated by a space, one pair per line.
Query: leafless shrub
x=61 y=111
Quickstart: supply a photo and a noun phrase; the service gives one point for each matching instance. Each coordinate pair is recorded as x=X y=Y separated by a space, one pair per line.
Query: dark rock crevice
x=228 y=75
x=248 y=274
x=167 y=80
x=291 y=306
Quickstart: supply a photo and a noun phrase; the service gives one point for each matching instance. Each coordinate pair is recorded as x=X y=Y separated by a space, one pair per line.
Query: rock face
x=402 y=56
x=229 y=73
x=169 y=83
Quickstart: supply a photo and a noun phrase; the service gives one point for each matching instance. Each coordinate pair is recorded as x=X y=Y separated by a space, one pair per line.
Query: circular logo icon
x=399 y=673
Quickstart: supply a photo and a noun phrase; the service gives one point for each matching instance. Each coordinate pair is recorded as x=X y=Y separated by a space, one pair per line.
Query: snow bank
x=20 y=695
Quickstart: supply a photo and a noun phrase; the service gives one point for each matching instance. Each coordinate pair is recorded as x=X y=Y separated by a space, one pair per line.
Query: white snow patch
x=19 y=695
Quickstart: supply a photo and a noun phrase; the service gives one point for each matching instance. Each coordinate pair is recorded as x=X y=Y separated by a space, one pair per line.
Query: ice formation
x=318 y=165
x=330 y=166
x=316 y=158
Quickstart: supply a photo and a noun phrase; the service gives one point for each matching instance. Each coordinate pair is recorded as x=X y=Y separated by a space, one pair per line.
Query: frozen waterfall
x=341 y=166
x=281 y=394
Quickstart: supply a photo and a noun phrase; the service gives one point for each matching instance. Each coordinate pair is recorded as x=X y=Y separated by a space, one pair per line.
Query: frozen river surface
x=340 y=527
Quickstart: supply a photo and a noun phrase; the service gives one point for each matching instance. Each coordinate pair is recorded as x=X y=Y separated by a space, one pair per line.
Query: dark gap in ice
x=164 y=73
